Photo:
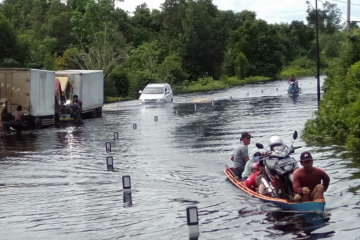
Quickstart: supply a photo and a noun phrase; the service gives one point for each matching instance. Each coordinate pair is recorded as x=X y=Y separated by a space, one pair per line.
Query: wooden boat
x=314 y=206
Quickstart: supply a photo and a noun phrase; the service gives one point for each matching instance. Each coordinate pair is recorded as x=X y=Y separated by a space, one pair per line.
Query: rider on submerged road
x=293 y=81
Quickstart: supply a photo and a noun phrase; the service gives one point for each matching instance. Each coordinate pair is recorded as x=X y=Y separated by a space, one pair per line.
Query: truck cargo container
x=32 y=89
x=88 y=85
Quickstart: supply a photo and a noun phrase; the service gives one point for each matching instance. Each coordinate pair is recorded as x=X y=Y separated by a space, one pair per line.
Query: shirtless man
x=307 y=180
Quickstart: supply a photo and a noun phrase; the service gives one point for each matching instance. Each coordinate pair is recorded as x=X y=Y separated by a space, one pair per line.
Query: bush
x=138 y=81
x=109 y=88
x=9 y=62
x=300 y=67
x=234 y=81
x=121 y=84
x=203 y=84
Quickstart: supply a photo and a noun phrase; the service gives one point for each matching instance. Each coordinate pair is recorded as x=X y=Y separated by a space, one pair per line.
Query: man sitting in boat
x=241 y=154
x=250 y=181
x=307 y=180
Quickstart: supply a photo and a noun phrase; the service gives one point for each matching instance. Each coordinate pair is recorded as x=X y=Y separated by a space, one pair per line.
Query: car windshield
x=154 y=90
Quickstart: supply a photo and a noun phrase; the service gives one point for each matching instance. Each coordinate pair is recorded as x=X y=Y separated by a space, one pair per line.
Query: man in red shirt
x=307 y=180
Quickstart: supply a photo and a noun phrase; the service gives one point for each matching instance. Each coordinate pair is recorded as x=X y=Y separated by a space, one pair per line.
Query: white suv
x=156 y=93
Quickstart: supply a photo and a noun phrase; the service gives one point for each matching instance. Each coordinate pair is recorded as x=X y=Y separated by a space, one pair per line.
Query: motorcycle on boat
x=279 y=167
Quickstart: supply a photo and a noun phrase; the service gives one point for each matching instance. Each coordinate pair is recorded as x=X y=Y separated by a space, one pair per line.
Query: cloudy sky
x=270 y=10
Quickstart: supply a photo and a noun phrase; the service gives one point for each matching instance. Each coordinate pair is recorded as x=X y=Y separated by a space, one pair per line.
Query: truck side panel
x=14 y=86
x=42 y=95
x=91 y=89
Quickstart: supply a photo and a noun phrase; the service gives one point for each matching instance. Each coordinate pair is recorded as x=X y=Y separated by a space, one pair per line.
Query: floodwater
x=54 y=182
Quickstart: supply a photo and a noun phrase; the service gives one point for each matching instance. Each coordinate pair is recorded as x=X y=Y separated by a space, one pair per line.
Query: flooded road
x=54 y=183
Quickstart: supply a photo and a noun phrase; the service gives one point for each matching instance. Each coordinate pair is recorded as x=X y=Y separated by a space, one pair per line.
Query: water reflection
x=294 y=98
x=14 y=145
x=295 y=222
x=127 y=199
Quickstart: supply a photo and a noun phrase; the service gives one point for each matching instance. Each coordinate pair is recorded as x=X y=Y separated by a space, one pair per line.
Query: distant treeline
x=186 y=43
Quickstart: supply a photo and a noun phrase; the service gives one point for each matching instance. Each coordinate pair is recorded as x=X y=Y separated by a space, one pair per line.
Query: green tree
x=262 y=45
x=146 y=25
x=329 y=18
x=235 y=64
x=14 y=50
x=174 y=14
x=203 y=42
x=106 y=52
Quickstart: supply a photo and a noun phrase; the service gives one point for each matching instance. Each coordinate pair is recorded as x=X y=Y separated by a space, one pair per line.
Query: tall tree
x=329 y=18
x=174 y=14
x=262 y=45
x=203 y=41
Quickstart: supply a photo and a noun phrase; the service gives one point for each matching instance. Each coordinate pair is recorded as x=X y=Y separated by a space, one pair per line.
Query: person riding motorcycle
x=293 y=83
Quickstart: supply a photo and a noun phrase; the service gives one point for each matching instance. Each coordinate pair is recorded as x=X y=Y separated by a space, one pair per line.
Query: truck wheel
x=94 y=113
x=37 y=123
x=99 y=110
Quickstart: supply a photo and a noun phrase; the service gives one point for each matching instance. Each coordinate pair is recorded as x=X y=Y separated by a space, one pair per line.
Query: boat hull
x=314 y=206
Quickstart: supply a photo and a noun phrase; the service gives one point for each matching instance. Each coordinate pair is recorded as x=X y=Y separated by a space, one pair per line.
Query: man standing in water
x=307 y=180
x=241 y=154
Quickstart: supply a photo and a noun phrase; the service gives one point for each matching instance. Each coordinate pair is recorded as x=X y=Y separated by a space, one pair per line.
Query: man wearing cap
x=241 y=154
x=307 y=180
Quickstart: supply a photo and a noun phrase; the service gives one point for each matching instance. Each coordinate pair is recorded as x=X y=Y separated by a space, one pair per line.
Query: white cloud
x=272 y=11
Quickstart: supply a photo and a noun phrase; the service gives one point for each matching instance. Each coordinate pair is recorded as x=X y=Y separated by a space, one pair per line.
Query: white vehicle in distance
x=156 y=93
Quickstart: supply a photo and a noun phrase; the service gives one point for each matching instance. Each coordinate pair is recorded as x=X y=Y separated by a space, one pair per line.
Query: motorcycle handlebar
x=269 y=153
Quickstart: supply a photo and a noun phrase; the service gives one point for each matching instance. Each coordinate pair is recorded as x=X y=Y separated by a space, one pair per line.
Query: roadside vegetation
x=338 y=117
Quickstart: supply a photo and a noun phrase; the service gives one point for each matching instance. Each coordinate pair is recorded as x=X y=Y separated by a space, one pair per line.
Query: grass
x=109 y=99
x=234 y=81
x=206 y=84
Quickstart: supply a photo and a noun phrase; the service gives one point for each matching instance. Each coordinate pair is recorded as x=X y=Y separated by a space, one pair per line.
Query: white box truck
x=88 y=85
x=32 y=89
